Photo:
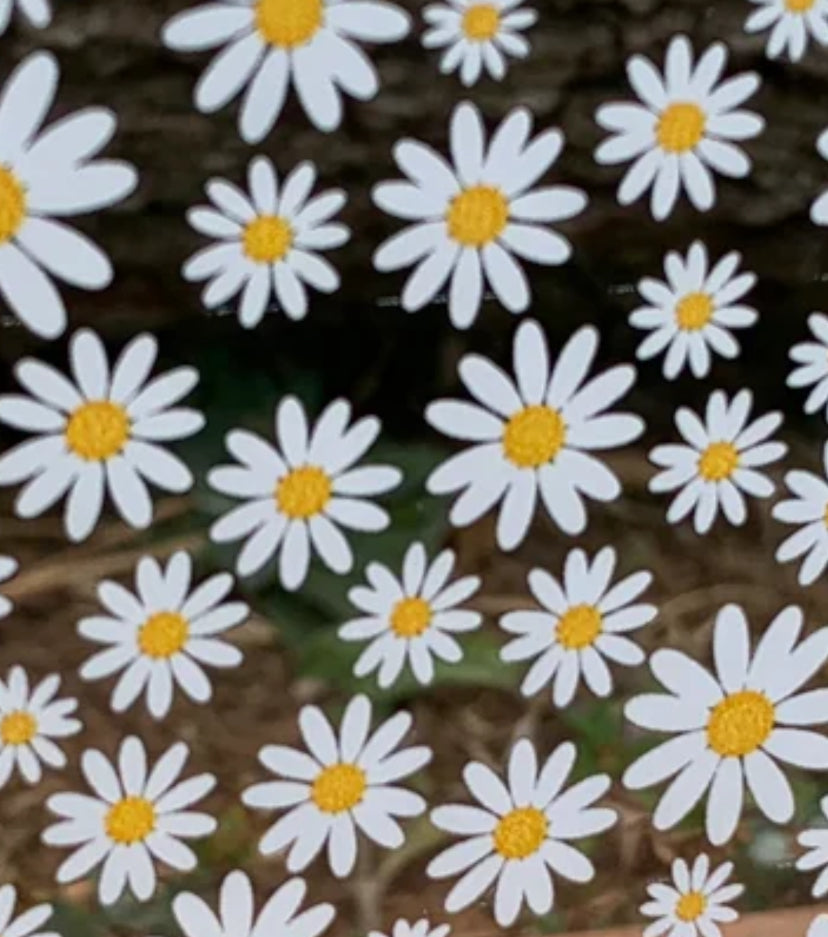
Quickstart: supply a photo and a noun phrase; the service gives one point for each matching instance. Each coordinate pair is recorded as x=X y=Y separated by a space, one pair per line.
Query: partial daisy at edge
x=791 y=23
x=808 y=509
x=421 y=928
x=819 y=208
x=27 y=924
x=471 y=218
x=811 y=366
x=819 y=926
x=36 y=13
x=8 y=568
x=814 y=841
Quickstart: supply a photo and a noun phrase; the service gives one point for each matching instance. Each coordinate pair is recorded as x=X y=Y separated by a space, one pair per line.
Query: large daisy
x=38 y=13
x=792 y=23
x=521 y=832
x=811 y=360
x=98 y=433
x=46 y=174
x=731 y=729
x=815 y=841
x=269 y=44
x=421 y=928
x=27 y=924
x=808 y=509
x=340 y=786
x=687 y=124
x=533 y=435
x=470 y=217
x=8 y=567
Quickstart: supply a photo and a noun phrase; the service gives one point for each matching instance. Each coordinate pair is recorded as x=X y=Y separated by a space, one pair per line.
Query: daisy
x=819 y=926
x=808 y=508
x=27 y=924
x=793 y=21
x=29 y=720
x=47 y=174
x=98 y=433
x=269 y=44
x=421 y=928
x=343 y=785
x=583 y=621
x=520 y=833
x=682 y=130
x=470 y=217
x=297 y=493
x=695 y=904
x=163 y=634
x=717 y=465
x=413 y=619
x=479 y=36
x=132 y=819
x=819 y=209
x=37 y=12
x=532 y=435
x=816 y=842
x=267 y=242
x=811 y=359
x=8 y=567
x=731 y=729
x=693 y=312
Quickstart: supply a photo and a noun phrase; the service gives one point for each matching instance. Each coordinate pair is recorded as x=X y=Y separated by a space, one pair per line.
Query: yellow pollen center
x=289 y=23
x=520 y=833
x=694 y=311
x=534 y=436
x=718 y=461
x=410 y=617
x=578 y=627
x=163 y=634
x=97 y=430
x=799 y=6
x=680 y=127
x=267 y=239
x=12 y=204
x=130 y=820
x=303 y=492
x=477 y=216
x=691 y=906
x=17 y=728
x=740 y=723
x=481 y=22
x=338 y=788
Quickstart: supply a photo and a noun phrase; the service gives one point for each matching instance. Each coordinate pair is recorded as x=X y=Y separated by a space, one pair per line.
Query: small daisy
x=819 y=926
x=28 y=923
x=8 y=567
x=412 y=619
x=37 y=12
x=520 y=834
x=808 y=509
x=695 y=904
x=98 y=433
x=693 y=312
x=296 y=494
x=819 y=209
x=816 y=842
x=793 y=21
x=29 y=720
x=132 y=819
x=583 y=621
x=533 y=435
x=717 y=466
x=811 y=359
x=731 y=729
x=267 y=242
x=684 y=127
x=237 y=917
x=269 y=44
x=470 y=217
x=162 y=635
x=479 y=36
x=343 y=785
x=46 y=175
x=421 y=928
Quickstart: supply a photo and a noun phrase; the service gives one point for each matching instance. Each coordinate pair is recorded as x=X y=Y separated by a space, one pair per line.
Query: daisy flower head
x=134 y=816
x=48 y=174
x=421 y=928
x=298 y=493
x=97 y=433
x=819 y=926
x=163 y=634
x=533 y=435
x=478 y=37
x=470 y=217
x=27 y=924
x=793 y=22
x=691 y=315
x=582 y=623
x=811 y=359
x=687 y=124
x=267 y=45
x=808 y=509
x=521 y=832
x=30 y=718
x=412 y=619
x=8 y=567
x=815 y=841
x=38 y=13
x=731 y=728
x=717 y=464
x=340 y=786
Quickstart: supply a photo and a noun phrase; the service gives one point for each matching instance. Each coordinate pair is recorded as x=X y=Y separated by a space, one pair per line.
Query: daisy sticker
x=808 y=509
x=421 y=928
x=27 y=924
x=731 y=729
x=8 y=567
x=532 y=435
x=469 y=218
x=687 y=124
x=815 y=841
x=792 y=23
x=38 y=13
x=811 y=359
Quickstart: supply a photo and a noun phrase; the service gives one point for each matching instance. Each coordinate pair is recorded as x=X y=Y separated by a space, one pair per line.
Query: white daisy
x=421 y=928
x=98 y=433
x=27 y=924
x=269 y=44
x=163 y=635
x=693 y=312
x=793 y=22
x=46 y=175
x=717 y=465
x=132 y=819
x=29 y=720
x=583 y=621
x=342 y=786
x=520 y=834
x=268 y=241
x=470 y=217
x=695 y=904
x=808 y=509
x=811 y=359
x=815 y=841
x=237 y=917
x=37 y=12
x=479 y=36
x=296 y=494
x=682 y=130
x=533 y=435
x=8 y=567
x=412 y=619
x=819 y=926
x=731 y=729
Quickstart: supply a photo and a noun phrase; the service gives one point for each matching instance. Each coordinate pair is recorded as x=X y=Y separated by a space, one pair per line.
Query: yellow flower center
x=825 y=516
x=130 y=820
x=740 y=723
x=718 y=461
x=691 y=906
x=163 y=634
x=410 y=617
x=694 y=311
x=12 y=204
x=477 y=215
x=97 y=430
x=338 y=788
x=534 y=436
x=481 y=22
x=303 y=492
x=520 y=833
x=799 y=6
x=578 y=627
x=267 y=239
x=289 y=23
x=680 y=127
x=17 y=728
